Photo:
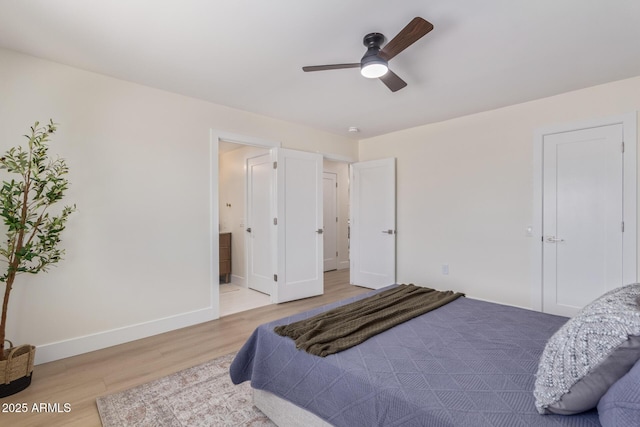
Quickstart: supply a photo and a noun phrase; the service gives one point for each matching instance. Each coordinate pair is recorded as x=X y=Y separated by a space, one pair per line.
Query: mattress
x=468 y=363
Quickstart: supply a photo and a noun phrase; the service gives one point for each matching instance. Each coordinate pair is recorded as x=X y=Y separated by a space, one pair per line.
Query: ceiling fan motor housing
x=373 y=40
x=371 y=60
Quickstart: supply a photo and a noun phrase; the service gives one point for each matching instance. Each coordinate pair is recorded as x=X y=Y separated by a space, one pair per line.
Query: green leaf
x=32 y=235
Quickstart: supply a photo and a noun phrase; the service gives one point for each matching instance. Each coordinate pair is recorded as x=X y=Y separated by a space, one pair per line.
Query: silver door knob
x=553 y=239
x=388 y=231
x=249 y=230
x=319 y=231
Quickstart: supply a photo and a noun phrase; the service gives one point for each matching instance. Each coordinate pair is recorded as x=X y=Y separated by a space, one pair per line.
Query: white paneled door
x=373 y=223
x=298 y=225
x=583 y=221
x=258 y=231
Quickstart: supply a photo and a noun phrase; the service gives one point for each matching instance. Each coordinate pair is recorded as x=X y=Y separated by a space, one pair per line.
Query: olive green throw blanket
x=346 y=326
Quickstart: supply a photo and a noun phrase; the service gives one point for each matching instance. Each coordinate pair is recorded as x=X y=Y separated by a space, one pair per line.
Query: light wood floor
x=79 y=380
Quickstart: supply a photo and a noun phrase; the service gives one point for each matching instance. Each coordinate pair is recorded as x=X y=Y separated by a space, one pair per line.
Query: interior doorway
x=232 y=172
x=373 y=253
x=338 y=219
x=234 y=159
x=330 y=211
x=582 y=217
x=257 y=232
x=585 y=212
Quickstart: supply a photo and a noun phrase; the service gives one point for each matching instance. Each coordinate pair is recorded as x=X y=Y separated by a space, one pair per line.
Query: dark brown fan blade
x=331 y=67
x=393 y=82
x=414 y=30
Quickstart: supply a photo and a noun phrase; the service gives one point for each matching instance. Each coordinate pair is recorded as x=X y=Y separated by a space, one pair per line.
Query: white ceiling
x=248 y=54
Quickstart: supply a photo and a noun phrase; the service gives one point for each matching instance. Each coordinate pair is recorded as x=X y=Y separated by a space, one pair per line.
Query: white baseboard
x=343 y=264
x=84 y=344
x=238 y=280
x=501 y=303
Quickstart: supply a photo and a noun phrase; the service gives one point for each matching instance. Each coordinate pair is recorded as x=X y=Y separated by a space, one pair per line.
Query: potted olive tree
x=32 y=235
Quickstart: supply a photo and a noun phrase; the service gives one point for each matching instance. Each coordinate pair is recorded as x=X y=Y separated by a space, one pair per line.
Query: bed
x=467 y=363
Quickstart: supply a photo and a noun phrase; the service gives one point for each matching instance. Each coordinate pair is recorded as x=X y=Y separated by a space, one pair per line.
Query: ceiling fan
x=374 y=63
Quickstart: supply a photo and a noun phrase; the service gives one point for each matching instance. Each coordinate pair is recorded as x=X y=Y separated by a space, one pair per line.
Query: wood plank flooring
x=79 y=380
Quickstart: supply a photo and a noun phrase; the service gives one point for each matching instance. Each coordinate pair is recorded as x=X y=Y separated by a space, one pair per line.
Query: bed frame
x=476 y=362
x=284 y=413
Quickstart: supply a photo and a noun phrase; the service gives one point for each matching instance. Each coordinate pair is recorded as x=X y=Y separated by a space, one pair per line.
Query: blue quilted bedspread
x=468 y=363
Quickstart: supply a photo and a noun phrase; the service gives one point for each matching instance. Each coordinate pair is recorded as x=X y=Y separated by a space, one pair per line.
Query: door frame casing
x=630 y=184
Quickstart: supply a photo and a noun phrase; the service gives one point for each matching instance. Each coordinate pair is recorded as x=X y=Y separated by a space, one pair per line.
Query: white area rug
x=196 y=397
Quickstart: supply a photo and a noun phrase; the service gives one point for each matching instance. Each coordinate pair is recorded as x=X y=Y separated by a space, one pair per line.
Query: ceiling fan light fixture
x=373 y=71
x=372 y=66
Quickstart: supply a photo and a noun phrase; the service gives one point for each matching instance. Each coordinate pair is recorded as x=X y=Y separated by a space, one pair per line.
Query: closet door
x=373 y=223
x=582 y=217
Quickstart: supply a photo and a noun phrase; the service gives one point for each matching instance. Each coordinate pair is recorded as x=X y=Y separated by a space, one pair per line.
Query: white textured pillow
x=589 y=353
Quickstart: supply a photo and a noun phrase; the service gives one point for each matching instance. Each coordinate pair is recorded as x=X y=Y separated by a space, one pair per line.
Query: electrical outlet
x=445 y=269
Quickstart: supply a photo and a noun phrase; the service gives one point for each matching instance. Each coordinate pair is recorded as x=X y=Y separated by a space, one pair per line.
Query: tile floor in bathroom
x=234 y=299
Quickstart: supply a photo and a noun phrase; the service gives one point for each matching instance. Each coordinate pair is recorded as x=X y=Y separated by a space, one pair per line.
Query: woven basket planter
x=15 y=372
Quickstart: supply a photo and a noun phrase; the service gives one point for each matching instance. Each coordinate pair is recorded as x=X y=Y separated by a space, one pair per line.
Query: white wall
x=465 y=191
x=138 y=249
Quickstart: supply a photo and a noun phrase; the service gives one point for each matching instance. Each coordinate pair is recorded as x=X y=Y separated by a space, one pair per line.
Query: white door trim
x=629 y=123
x=215 y=136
